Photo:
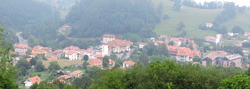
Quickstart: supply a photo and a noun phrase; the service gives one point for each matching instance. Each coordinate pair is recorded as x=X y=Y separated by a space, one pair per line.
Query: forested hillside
x=93 y=18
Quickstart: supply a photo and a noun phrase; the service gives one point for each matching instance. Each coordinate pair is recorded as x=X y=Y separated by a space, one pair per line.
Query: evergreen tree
x=33 y=61
x=39 y=66
x=105 y=61
x=171 y=43
x=143 y=58
x=53 y=66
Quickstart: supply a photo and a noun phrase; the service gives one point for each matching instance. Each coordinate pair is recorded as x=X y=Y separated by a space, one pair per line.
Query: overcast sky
x=237 y=2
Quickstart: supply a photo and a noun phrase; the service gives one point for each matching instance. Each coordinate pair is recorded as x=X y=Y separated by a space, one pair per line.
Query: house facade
x=247 y=34
x=20 y=48
x=29 y=82
x=108 y=38
x=128 y=64
x=116 y=45
x=95 y=62
x=212 y=39
x=231 y=60
x=183 y=54
x=71 y=48
x=230 y=34
x=76 y=74
x=73 y=55
x=141 y=45
x=59 y=53
x=209 y=25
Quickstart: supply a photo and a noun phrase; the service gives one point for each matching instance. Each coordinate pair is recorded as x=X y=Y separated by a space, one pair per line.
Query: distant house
x=212 y=39
x=116 y=45
x=163 y=37
x=128 y=64
x=64 y=77
x=58 y=53
x=107 y=38
x=111 y=64
x=73 y=55
x=75 y=74
x=215 y=57
x=28 y=59
x=66 y=28
x=230 y=34
x=141 y=45
x=209 y=25
x=41 y=50
x=22 y=54
x=71 y=48
x=48 y=49
x=231 y=60
x=20 y=48
x=152 y=39
x=247 y=34
x=95 y=62
x=29 y=82
x=239 y=43
x=183 y=54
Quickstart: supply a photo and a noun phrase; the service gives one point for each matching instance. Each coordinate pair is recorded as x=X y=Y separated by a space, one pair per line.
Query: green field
x=192 y=18
x=62 y=62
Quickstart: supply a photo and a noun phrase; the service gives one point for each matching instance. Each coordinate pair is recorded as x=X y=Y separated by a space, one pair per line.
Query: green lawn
x=44 y=74
x=62 y=62
x=193 y=17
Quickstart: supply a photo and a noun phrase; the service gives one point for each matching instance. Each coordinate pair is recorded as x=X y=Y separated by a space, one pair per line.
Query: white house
x=247 y=34
x=128 y=64
x=209 y=25
x=77 y=73
x=141 y=45
x=73 y=55
x=212 y=39
x=116 y=45
x=105 y=49
x=107 y=38
x=20 y=48
x=29 y=82
x=219 y=36
x=71 y=48
x=230 y=34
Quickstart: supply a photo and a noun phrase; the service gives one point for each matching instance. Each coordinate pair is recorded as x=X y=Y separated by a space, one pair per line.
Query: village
x=182 y=49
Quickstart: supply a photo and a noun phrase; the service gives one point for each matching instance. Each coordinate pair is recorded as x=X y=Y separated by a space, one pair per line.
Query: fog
x=237 y=2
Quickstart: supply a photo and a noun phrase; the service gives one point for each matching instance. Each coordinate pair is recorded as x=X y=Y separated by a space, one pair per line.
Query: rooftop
x=35 y=79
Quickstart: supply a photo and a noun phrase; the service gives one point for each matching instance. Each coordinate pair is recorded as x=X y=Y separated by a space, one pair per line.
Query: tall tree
x=86 y=57
x=93 y=71
x=163 y=50
x=143 y=58
x=39 y=66
x=171 y=43
x=8 y=72
x=160 y=8
x=33 y=61
x=53 y=65
x=105 y=61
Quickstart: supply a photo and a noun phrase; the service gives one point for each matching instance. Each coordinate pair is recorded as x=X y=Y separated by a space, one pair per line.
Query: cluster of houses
x=36 y=79
x=212 y=39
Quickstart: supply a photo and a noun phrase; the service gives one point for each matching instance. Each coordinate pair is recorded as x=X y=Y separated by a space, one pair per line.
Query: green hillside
x=191 y=17
x=241 y=20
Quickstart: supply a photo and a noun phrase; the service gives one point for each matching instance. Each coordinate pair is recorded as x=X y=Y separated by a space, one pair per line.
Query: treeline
x=205 y=5
x=167 y=74
x=93 y=18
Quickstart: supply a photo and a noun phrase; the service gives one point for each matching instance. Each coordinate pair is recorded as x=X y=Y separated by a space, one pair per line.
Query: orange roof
x=72 y=48
x=118 y=42
x=35 y=79
x=99 y=56
x=58 y=71
x=22 y=53
x=210 y=37
x=245 y=54
x=28 y=59
x=83 y=50
x=62 y=81
x=38 y=47
x=111 y=61
x=209 y=24
x=22 y=46
x=33 y=53
x=130 y=63
x=70 y=52
x=161 y=42
x=38 y=50
x=66 y=26
x=76 y=72
x=46 y=48
x=58 y=51
x=196 y=63
x=221 y=52
x=64 y=76
x=107 y=35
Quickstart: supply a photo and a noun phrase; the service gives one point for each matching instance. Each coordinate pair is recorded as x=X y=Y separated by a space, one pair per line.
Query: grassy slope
x=191 y=17
x=62 y=63
x=241 y=20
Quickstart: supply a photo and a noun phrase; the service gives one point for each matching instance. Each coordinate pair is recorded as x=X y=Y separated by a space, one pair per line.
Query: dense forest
x=92 y=18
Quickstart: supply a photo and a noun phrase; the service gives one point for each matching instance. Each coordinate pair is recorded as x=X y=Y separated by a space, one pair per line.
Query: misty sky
x=237 y=2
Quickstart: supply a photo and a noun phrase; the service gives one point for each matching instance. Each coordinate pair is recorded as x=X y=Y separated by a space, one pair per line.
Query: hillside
x=192 y=18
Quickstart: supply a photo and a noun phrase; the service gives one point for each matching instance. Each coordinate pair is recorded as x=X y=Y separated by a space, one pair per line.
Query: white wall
x=28 y=83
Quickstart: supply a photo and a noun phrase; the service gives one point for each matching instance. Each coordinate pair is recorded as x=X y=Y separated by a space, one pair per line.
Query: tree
x=93 y=71
x=86 y=57
x=191 y=46
x=85 y=64
x=33 y=61
x=236 y=82
x=187 y=42
x=105 y=61
x=171 y=43
x=177 y=6
x=143 y=58
x=180 y=26
x=83 y=82
x=165 y=17
x=54 y=66
x=39 y=66
x=160 y=9
x=28 y=52
x=209 y=62
x=196 y=59
x=238 y=29
x=163 y=50
x=8 y=71
x=24 y=65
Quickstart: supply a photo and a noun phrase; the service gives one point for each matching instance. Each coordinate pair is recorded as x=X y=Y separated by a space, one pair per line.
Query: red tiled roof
x=130 y=63
x=58 y=51
x=210 y=37
x=214 y=55
x=161 y=42
x=111 y=61
x=22 y=53
x=195 y=53
x=76 y=72
x=209 y=24
x=35 y=79
x=72 y=48
x=99 y=56
x=107 y=35
x=28 y=59
x=66 y=26
x=46 y=48
x=38 y=47
x=221 y=52
x=22 y=46
x=95 y=62
x=64 y=76
x=38 y=50
x=70 y=52
x=118 y=42
x=33 y=53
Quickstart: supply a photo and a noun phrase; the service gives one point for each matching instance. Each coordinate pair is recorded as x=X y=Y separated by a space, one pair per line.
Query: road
x=21 y=40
